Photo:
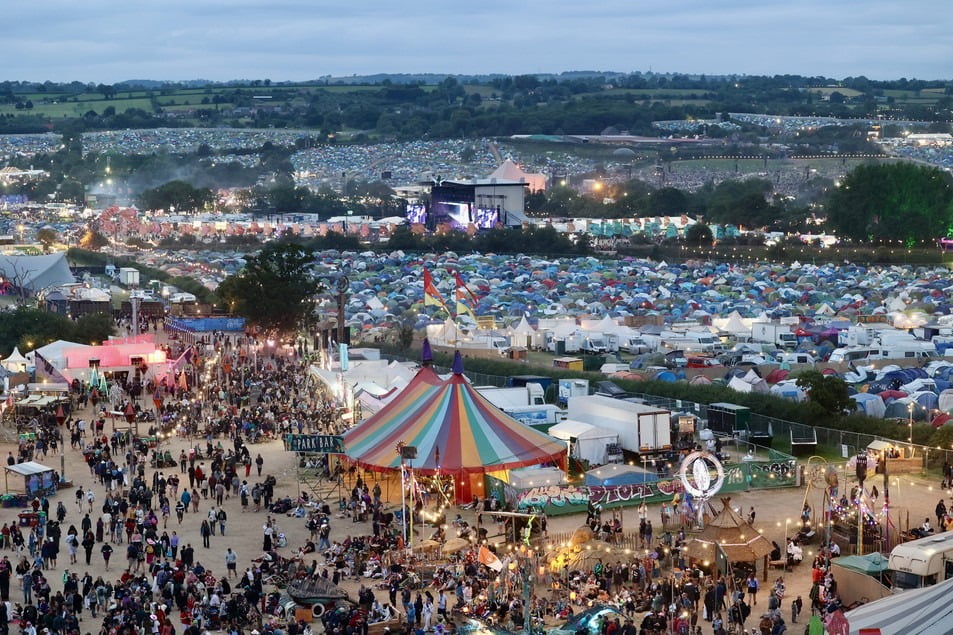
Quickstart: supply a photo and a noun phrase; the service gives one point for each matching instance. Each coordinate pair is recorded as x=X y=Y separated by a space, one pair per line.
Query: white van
x=854 y=354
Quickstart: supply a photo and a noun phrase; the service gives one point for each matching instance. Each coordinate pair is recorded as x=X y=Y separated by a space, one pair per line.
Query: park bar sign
x=321 y=443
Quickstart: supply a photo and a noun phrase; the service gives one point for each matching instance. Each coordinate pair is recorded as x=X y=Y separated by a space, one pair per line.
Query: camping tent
x=869 y=404
x=455 y=430
x=591 y=441
x=925 y=611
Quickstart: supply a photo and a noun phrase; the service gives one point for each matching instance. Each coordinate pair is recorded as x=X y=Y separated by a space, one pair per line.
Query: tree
x=29 y=328
x=93 y=240
x=828 y=393
x=46 y=236
x=699 y=234
x=900 y=200
x=176 y=194
x=275 y=290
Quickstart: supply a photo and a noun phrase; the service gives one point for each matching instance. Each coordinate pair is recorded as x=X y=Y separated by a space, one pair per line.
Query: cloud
x=108 y=41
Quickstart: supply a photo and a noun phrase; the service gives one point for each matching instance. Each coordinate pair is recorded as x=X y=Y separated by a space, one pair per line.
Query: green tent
x=872 y=564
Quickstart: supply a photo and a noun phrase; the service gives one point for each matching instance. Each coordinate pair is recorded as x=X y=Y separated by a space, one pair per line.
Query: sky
x=294 y=40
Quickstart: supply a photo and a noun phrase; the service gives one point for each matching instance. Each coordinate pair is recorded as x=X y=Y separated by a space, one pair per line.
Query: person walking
x=212 y=517
x=26 y=580
x=259 y=462
x=206 y=531
x=752 y=584
x=231 y=563
x=89 y=541
x=107 y=551
x=222 y=519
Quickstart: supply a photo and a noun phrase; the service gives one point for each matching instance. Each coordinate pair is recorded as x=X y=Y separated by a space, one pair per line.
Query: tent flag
x=488 y=558
x=462 y=286
x=432 y=296
x=462 y=307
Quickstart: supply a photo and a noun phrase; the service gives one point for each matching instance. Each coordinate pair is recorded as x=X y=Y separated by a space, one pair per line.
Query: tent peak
x=426 y=354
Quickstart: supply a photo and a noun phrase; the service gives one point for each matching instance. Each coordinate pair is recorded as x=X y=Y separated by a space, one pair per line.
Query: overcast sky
x=110 y=40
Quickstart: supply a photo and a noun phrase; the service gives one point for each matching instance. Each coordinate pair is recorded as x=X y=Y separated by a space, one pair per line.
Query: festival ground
x=777 y=511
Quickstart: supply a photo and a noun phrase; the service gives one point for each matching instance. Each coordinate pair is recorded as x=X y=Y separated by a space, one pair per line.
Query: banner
x=319 y=443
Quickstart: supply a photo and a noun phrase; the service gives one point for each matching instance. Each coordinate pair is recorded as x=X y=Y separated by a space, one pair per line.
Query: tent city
x=485 y=350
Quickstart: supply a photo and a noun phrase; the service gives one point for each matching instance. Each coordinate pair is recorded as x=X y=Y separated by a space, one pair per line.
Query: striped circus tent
x=456 y=432
x=926 y=611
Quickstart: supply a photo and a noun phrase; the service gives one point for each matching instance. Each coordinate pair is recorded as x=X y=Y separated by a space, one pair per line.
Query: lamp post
x=910 y=410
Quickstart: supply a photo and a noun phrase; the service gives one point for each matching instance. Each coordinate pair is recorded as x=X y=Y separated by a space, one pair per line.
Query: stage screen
x=416 y=214
x=487 y=218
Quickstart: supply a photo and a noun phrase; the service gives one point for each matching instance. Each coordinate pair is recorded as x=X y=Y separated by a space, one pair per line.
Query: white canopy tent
x=15 y=362
x=590 y=441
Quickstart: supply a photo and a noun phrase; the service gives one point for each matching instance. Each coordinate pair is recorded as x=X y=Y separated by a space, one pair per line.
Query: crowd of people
x=122 y=511
x=164 y=583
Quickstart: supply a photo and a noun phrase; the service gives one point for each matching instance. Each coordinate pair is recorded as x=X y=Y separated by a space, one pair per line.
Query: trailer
x=532 y=394
x=569 y=388
x=642 y=429
x=729 y=420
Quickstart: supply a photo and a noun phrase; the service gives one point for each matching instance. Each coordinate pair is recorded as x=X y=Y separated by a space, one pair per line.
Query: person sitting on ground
x=923 y=530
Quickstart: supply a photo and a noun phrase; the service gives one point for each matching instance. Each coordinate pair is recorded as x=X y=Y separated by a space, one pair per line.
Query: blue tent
x=619 y=474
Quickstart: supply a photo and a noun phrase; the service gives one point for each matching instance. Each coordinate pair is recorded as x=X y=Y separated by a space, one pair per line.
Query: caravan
x=922 y=562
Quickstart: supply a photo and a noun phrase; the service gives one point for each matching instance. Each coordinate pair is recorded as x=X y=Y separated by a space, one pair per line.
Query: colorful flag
x=432 y=297
x=489 y=558
x=464 y=298
x=463 y=285
x=462 y=307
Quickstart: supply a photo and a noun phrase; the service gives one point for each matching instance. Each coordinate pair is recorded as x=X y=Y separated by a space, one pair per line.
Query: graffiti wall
x=568 y=499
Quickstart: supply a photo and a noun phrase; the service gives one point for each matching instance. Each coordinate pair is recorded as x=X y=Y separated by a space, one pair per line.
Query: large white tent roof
x=36 y=272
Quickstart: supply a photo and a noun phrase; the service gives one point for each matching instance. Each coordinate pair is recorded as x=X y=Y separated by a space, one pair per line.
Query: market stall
x=36 y=479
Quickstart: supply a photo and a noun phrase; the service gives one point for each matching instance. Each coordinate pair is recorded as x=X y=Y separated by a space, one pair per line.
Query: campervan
x=634 y=345
x=922 y=562
x=854 y=354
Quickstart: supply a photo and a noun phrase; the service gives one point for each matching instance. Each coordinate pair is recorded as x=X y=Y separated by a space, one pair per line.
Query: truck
x=642 y=429
x=780 y=335
x=569 y=388
x=922 y=562
x=594 y=344
x=529 y=395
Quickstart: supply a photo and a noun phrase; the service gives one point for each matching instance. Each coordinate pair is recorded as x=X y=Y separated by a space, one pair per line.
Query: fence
x=843 y=442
